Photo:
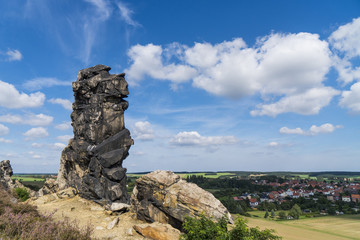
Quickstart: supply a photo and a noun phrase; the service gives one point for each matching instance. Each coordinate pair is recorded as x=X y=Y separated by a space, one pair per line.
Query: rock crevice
x=92 y=161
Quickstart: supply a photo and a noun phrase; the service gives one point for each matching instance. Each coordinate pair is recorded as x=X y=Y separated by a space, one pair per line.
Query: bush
x=204 y=228
x=23 y=222
x=22 y=194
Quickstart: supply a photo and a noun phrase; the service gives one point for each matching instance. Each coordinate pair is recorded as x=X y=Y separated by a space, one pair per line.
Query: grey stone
x=92 y=162
x=164 y=197
x=113 y=223
x=119 y=207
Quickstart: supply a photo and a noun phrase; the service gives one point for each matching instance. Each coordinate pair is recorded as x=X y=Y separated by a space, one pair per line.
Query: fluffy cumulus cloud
x=195 y=139
x=3 y=130
x=351 y=99
x=307 y=103
x=143 y=131
x=10 y=97
x=39 y=83
x=148 y=60
x=63 y=102
x=28 y=119
x=273 y=144
x=313 y=130
x=289 y=68
x=344 y=42
x=58 y=146
x=346 y=38
x=38 y=132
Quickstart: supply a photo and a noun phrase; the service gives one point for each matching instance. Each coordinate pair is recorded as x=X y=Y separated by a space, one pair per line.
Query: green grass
x=27 y=179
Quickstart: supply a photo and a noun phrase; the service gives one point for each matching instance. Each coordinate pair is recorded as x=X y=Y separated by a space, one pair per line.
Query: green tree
x=272 y=213
x=295 y=211
x=282 y=215
x=266 y=214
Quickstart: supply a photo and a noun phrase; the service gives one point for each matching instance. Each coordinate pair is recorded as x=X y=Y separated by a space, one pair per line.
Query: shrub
x=204 y=228
x=22 y=194
x=23 y=222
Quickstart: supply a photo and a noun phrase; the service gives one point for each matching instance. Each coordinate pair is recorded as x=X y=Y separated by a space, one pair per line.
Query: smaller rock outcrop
x=162 y=196
x=5 y=178
x=5 y=175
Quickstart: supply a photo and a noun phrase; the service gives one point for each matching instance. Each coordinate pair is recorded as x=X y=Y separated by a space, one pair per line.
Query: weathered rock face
x=162 y=196
x=92 y=162
x=5 y=175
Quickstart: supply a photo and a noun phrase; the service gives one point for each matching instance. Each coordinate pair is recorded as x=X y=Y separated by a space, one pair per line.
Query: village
x=308 y=189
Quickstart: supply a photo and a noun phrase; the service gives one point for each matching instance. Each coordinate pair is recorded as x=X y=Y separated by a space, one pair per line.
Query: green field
x=329 y=227
x=27 y=179
x=185 y=175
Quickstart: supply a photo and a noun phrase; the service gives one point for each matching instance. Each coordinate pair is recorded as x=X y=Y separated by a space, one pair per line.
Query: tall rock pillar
x=92 y=162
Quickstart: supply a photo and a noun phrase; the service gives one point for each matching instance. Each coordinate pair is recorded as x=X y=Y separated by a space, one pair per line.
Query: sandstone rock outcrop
x=5 y=175
x=162 y=196
x=157 y=231
x=92 y=161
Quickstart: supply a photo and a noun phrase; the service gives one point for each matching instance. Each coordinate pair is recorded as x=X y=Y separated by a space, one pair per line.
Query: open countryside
x=329 y=227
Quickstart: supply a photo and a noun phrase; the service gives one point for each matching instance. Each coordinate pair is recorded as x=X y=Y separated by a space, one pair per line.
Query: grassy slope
x=332 y=227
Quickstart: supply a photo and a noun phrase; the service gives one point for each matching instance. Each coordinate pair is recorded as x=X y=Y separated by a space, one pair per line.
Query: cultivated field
x=332 y=227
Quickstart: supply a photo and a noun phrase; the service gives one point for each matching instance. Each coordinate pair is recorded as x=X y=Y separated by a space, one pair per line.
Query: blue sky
x=246 y=85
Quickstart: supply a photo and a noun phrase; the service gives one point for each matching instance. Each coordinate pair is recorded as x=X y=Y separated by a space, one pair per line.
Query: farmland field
x=331 y=227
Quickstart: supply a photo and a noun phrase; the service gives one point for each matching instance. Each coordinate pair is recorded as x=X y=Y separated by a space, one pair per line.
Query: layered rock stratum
x=162 y=196
x=92 y=161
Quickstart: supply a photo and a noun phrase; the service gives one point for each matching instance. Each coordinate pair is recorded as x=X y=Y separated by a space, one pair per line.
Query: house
x=237 y=198
x=296 y=195
x=330 y=198
x=355 y=197
x=253 y=202
x=290 y=192
x=346 y=199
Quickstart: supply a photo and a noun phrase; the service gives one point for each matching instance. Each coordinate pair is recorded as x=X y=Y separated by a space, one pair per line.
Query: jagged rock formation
x=92 y=162
x=5 y=175
x=5 y=178
x=162 y=196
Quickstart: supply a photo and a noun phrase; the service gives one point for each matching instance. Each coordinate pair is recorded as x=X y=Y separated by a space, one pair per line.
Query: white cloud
x=103 y=9
x=143 y=131
x=307 y=103
x=346 y=38
x=12 y=98
x=39 y=83
x=37 y=145
x=3 y=140
x=28 y=119
x=64 y=138
x=273 y=144
x=148 y=60
x=63 y=126
x=286 y=130
x=59 y=146
x=126 y=13
x=63 y=102
x=3 y=130
x=195 y=139
x=351 y=99
x=314 y=130
x=14 y=55
x=38 y=132
x=289 y=66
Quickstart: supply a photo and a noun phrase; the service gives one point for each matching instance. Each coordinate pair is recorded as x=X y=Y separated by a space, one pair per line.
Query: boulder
x=157 y=231
x=92 y=161
x=164 y=197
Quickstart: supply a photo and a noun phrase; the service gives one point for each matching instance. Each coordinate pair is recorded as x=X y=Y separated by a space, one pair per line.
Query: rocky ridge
x=92 y=161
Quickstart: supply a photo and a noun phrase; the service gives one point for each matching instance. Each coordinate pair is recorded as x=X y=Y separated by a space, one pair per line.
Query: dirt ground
x=86 y=212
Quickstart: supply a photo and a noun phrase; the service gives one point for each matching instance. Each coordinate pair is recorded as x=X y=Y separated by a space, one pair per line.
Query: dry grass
x=332 y=227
